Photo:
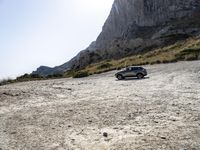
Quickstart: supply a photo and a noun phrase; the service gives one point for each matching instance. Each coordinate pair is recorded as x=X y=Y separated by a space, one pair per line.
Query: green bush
x=188 y=54
x=25 y=76
x=6 y=81
x=36 y=76
x=3 y=82
x=80 y=74
x=104 y=66
x=191 y=57
x=190 y=50
x=29 y=77
x=55 y=76
x=158 y=61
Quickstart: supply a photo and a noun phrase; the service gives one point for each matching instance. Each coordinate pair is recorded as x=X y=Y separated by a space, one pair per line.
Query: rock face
x=138 y=25
x=131 y=14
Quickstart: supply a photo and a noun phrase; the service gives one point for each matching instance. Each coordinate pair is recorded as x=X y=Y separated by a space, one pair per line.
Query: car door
x=133 y=72
x=128 y=72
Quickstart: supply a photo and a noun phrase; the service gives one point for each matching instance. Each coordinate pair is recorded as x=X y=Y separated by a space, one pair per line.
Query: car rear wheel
x=140 y=76
x=120 y=77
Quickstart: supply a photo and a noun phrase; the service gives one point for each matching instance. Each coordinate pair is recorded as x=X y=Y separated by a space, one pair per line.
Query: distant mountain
x=136 y=26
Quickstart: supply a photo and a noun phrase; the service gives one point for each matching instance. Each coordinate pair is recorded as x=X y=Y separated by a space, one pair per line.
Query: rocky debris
x=105 y=134
x=11 y=94
x=162 y=137
x=160 y=112
x=14 y=132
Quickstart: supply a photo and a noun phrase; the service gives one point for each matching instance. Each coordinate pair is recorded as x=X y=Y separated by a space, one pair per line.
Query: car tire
x=120 y=77
x=140 y=76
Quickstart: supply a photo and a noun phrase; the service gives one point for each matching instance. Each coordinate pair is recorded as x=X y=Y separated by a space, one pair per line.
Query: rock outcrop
x=134 y=26
x=128 y=15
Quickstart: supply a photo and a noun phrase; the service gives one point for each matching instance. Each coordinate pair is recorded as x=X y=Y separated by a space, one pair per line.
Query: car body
x=131 y=71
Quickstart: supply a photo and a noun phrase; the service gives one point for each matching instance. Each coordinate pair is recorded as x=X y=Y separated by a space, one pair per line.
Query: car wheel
x=140 y=76
x=120 y=77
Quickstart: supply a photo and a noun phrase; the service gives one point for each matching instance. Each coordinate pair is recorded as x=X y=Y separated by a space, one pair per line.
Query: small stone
x=162 y=137
x=105 y=134
x=107 y=140
x=13 y=132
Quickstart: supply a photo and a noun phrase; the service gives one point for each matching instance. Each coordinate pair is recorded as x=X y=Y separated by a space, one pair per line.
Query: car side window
x=134 y=68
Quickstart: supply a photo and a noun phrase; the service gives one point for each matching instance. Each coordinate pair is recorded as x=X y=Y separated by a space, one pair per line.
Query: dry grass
x=184 y=50
x=5 y=81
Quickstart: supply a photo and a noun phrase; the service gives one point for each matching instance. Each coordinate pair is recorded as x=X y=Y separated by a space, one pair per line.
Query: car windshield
x=124 y=69
x=127 y=69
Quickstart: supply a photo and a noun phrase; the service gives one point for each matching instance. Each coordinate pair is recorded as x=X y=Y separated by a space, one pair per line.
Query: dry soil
x=99 y=112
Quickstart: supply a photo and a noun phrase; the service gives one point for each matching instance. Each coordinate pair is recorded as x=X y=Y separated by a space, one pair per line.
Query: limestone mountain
x=136 y=26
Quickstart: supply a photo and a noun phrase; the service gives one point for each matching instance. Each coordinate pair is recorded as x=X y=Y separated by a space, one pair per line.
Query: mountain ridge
x=134 y=26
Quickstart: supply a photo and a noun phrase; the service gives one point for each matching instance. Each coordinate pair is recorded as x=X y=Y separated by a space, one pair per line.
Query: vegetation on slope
x=29 y=77
x=181 y=51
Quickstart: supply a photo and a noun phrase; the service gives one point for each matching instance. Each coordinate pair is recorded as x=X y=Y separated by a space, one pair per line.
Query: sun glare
x=94 y=4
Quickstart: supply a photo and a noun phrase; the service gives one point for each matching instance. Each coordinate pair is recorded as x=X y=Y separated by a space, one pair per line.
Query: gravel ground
x=161 y=112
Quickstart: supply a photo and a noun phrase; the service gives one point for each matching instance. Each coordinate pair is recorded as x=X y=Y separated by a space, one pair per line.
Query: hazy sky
x=46 y=32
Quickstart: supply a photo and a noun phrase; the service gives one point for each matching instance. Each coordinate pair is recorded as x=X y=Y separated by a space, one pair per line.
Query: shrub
x=118 y=68
x=29 y=77
x=104 y=66
x=58 y=75
x=80 y=74
x=36 y=76
x=55 y=76
x=191 y=57
x=158 y=61
x=6 y=81
x=3 y=82
x=25 y=76
x=188 y=54
x=190 y=50
x=153 y=63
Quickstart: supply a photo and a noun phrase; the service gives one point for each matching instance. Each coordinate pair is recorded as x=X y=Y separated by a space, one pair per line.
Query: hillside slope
x=134 y=26
x=186 y=50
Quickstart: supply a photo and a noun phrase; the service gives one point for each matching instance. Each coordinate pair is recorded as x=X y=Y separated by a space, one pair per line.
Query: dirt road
x=161 y=112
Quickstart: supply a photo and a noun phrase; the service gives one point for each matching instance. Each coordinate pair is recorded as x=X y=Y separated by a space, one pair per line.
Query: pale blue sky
x=46 y=32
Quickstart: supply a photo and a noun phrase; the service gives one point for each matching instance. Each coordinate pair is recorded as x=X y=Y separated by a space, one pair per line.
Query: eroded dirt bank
x=99 y=112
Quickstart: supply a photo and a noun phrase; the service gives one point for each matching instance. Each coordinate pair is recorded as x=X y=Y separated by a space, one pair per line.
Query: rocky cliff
x=134 y=26
x=131 y=14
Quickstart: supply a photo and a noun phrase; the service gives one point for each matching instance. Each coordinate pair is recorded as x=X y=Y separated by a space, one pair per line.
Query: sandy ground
x=161 y=112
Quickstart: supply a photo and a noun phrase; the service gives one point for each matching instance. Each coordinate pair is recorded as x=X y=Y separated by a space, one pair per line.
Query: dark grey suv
x=138 y=72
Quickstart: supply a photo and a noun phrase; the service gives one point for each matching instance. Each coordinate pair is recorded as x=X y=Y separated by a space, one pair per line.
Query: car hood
x=120 y=72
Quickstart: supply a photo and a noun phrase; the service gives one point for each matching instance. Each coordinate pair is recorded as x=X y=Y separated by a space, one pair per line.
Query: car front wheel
x=140 y=76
